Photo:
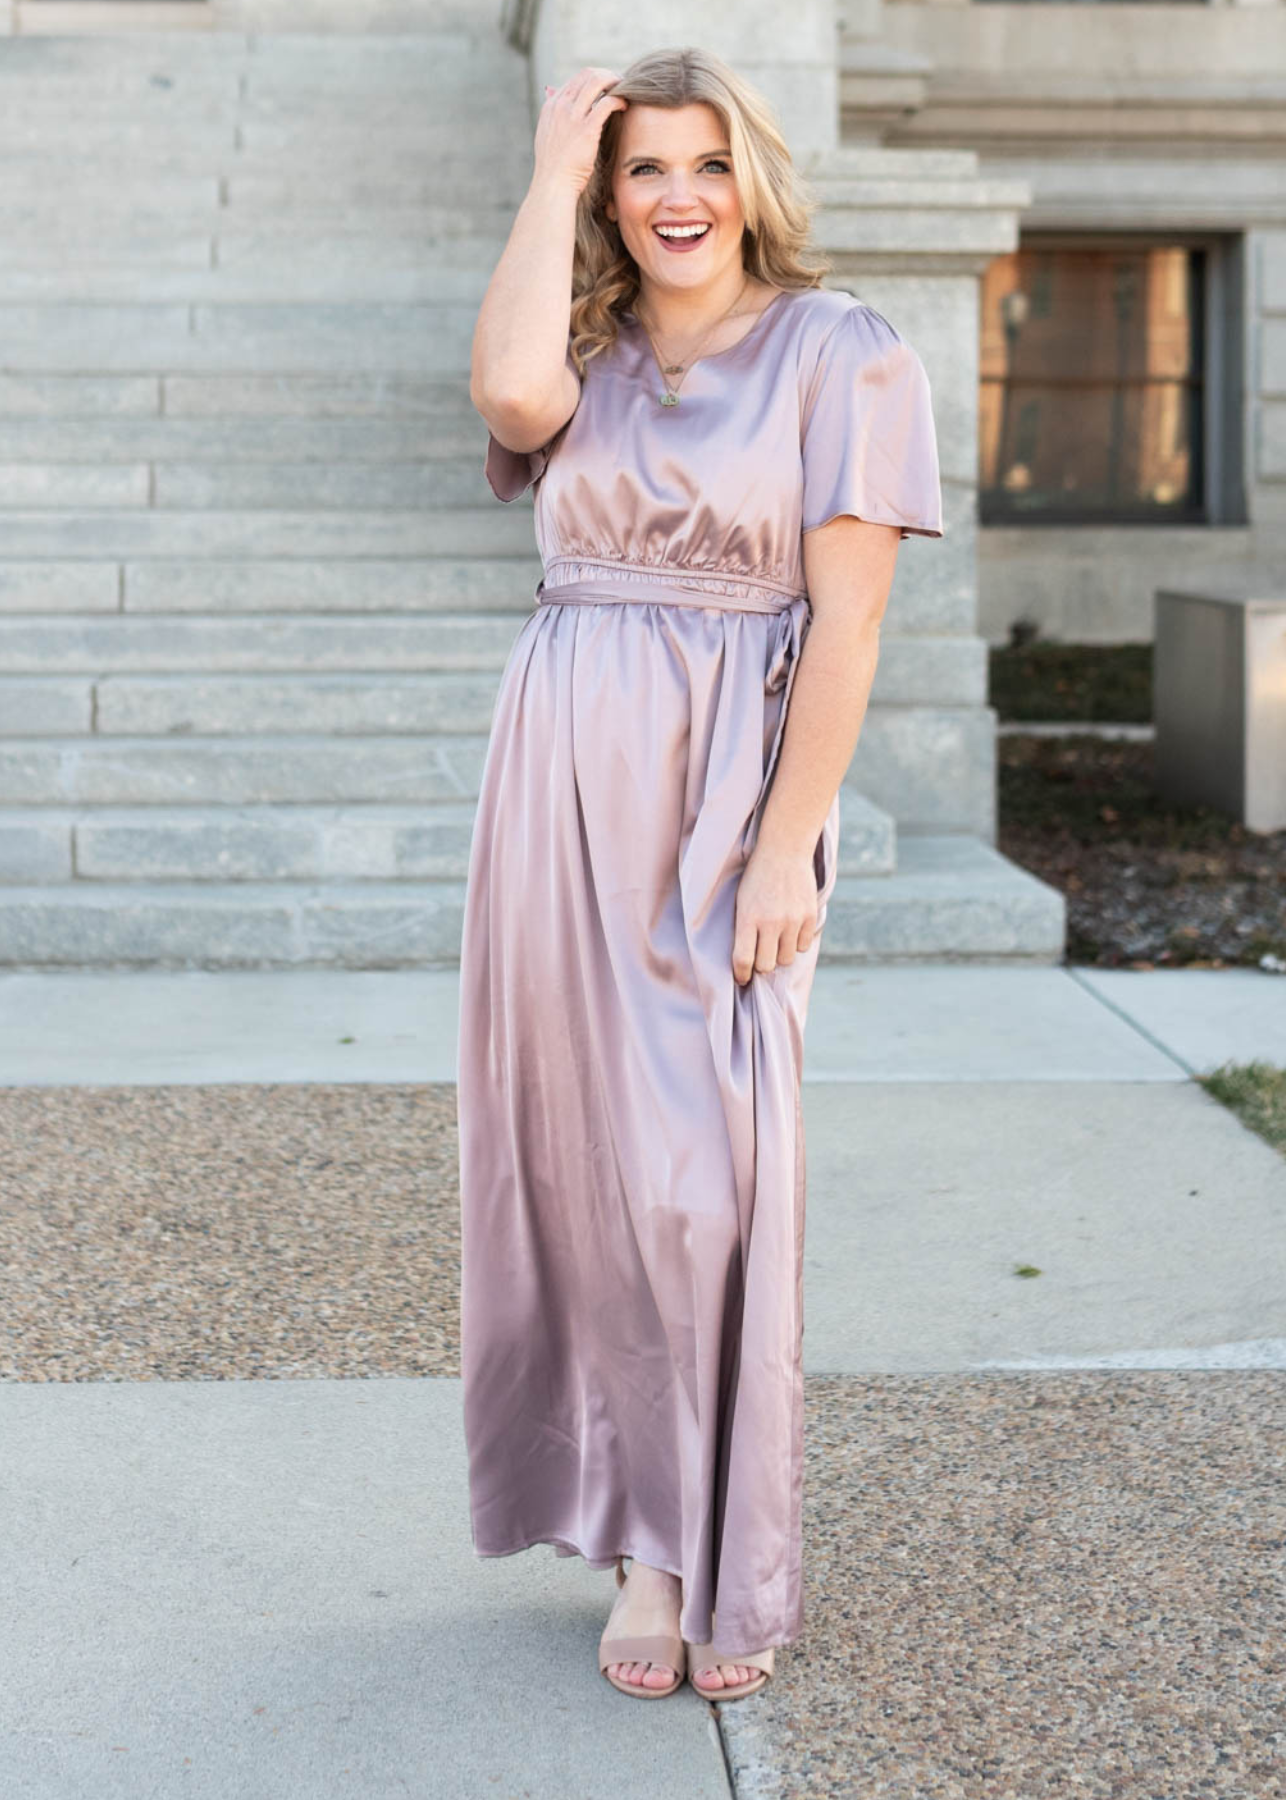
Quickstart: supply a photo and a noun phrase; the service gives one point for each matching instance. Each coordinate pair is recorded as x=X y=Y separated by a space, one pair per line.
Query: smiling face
x=673 y=167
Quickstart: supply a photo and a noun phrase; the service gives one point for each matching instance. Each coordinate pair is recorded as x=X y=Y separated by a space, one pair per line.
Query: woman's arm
x=519 y=379
x=848 y=574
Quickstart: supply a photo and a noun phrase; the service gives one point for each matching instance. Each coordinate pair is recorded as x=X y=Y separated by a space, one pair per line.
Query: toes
x=642 y=1674
x=725 y=1675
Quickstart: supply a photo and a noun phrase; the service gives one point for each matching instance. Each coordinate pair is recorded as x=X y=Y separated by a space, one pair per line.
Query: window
x=1097 y=403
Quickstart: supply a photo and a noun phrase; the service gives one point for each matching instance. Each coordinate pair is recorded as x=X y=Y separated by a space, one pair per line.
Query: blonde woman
x=725 y=456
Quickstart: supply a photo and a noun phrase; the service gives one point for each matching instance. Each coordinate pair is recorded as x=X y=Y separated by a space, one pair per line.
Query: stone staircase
x=255 y=595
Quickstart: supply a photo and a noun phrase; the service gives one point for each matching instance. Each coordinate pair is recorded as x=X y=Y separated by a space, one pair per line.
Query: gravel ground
x=1147 y=885
x=1030 y=1586
x=1018 y=1586
x=228 y=1232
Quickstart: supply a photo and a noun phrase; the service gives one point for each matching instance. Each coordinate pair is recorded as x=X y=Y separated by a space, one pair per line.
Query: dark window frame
x=1218 y=308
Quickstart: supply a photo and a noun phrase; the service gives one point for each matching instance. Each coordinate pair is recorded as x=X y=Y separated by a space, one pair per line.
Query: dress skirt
x=631 y=1139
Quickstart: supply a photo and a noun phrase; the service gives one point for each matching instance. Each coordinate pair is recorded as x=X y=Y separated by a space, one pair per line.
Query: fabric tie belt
x=665 y=593
x=793 y=610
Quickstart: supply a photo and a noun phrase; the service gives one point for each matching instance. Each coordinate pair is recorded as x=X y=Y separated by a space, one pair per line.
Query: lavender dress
x=631 y=1141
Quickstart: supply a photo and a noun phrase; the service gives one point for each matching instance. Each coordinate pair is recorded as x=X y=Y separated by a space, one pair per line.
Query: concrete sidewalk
x=916 y=1022
x=263 y=1588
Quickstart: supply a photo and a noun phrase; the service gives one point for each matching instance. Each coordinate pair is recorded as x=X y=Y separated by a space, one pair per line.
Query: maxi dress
x=631 y=1139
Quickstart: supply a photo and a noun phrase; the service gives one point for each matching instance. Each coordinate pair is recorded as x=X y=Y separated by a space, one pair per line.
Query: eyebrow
x=705 y=153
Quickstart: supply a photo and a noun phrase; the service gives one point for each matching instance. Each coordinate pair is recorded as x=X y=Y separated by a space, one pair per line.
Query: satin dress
x=632 y=1168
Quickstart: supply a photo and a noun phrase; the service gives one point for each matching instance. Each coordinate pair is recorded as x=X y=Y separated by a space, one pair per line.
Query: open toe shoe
x=705 y=1656
x=664 y=1648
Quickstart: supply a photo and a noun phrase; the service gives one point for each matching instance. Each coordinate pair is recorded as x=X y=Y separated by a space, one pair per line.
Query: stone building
x=254 y=595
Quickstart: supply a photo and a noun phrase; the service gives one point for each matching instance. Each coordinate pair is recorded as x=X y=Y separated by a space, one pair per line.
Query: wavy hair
x=778 y=213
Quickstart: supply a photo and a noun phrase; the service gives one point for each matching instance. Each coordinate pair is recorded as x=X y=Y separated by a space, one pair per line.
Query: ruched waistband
x=663 y=593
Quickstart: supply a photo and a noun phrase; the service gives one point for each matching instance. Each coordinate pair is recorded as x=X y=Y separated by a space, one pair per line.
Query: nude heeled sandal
x=705 y=1656
x=664 y=1648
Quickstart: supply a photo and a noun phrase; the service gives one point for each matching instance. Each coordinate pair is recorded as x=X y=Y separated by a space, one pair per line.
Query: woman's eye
x=713 y=162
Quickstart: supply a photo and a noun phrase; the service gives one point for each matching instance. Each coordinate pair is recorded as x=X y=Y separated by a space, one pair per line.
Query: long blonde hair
x=777 y=211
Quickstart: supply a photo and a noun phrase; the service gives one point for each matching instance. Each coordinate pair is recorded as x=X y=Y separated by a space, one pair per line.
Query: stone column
x=788 y=50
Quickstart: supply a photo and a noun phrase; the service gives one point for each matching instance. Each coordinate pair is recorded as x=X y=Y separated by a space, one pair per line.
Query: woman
x=726 y=457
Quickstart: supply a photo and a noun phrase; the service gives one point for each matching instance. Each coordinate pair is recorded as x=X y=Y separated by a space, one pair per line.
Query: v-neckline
x=713 y=355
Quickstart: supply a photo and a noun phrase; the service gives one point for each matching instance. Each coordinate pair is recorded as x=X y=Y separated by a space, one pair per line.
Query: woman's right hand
x=571 y=125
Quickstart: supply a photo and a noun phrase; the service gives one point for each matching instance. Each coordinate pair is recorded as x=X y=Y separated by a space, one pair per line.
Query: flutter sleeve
x=867 y=434
x=511 y=472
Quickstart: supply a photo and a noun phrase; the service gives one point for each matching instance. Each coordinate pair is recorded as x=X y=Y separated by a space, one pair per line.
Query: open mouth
x=682 y=237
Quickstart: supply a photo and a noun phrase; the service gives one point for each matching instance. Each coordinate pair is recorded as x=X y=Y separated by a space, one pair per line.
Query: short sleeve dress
x=631 y=1138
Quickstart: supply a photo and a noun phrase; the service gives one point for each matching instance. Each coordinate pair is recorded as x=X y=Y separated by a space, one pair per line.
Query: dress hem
x=566 y=1547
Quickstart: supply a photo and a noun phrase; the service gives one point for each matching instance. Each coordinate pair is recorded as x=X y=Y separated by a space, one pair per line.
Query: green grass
x=1256 y=1092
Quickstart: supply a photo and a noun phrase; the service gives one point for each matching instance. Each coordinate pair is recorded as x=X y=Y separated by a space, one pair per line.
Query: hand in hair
x=571 y=124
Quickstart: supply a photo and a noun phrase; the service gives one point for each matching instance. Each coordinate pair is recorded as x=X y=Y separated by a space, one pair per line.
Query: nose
x=679 y=194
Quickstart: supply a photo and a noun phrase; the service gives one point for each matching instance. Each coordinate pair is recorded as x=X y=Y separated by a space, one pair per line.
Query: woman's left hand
x=776 y=914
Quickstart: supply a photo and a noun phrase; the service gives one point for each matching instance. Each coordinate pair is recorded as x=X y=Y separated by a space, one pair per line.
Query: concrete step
x=118 y=534
x=253 y=648
x=23 y=222
x=133 y=125
x=337 y=393
x=107 y=62
x=474 y=584
x=411 y=149
x=451 y=477
x=430 y=179
x=157 y=672
x=928 y=767
x=410 y=282
x=157 y=248
x=429 y=583
x=331 y=267
x=166 y=68
x=215 y=443
x=233 y=486
x=292 y=338
x=381 y=395
x=298 y=843
x=48 y=19
x=951 y=897
x=281 y=164
x=219 y=771
x=444 y=481
x=854 y=162
x=443 y=697
x=209 y=131
x=167 y=560
x=421 y=163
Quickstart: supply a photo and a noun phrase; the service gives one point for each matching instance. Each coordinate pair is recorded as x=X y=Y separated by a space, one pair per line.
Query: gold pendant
x=669 y=399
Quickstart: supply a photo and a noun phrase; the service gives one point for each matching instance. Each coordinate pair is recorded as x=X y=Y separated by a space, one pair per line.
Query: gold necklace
x=671 y=395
